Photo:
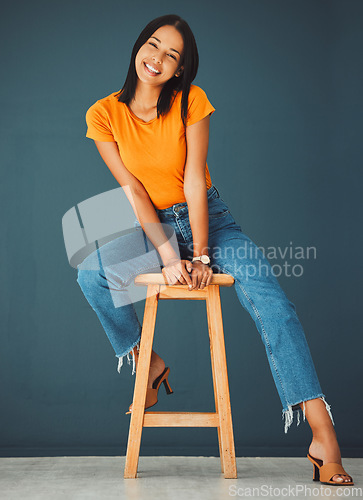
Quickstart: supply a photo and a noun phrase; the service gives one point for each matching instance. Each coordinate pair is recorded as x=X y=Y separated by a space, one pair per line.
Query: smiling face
x=159 y=58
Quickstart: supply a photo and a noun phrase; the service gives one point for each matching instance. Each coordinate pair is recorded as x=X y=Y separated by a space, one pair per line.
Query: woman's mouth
x=150 y=71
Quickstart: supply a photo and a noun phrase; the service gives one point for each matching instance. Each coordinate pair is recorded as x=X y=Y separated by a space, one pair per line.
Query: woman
x=153 y=136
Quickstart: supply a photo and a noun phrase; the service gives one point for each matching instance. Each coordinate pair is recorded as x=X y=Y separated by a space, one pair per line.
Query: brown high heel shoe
x=152 y=392
x=324 y=473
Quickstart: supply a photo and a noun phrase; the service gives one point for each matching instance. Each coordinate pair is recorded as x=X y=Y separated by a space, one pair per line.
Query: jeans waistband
x=212 y=192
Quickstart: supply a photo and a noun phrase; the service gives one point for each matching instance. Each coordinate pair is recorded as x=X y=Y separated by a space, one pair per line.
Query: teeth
x=151 y=68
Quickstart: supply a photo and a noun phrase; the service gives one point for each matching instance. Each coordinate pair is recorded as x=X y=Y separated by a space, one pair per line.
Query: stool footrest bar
x=180 y=419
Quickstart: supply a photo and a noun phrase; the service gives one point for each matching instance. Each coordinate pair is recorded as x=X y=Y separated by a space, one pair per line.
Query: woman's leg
x=259 y=292
x=289 y=357
x=324 y=444
x=106 y=279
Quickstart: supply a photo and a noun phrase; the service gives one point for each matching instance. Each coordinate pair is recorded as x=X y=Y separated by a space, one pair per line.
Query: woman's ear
x=179 y=72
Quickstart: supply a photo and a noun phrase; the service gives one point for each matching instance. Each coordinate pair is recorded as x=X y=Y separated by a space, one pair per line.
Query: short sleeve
x=198 y=105
x=98 y=125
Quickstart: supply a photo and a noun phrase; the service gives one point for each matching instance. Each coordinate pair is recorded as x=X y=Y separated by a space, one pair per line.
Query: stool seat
x=159 y=279
x=158 y=288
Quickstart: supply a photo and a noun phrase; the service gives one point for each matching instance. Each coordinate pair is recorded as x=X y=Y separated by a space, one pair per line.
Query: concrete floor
x=169 y=478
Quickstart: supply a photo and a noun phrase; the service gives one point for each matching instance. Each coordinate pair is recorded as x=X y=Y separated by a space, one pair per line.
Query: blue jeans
x=104 y=279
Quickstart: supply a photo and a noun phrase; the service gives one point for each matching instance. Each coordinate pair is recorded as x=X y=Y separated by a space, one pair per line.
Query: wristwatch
x=203 y=258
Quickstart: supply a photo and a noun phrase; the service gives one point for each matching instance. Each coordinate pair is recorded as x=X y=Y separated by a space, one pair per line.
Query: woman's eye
x=171 y=55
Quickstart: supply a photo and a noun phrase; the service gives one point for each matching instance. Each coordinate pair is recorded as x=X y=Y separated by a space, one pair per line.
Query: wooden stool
x=221 y=418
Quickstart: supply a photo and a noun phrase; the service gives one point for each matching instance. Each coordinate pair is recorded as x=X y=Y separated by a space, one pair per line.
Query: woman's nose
x=156 y=59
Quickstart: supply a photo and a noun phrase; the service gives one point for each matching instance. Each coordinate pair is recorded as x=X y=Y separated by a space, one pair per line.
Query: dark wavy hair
x=189 y=59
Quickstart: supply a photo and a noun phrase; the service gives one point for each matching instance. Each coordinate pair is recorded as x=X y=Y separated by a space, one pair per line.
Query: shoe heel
x=167 y=386
x=316 y=473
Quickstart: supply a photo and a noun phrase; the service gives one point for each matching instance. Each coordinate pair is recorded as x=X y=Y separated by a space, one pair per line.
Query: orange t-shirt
x=154 y=151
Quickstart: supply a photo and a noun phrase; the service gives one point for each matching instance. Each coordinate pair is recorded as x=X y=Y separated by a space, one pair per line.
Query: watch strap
x=199 y=258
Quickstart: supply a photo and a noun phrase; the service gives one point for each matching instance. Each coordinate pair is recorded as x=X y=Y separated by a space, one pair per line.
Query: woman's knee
x=90 y=282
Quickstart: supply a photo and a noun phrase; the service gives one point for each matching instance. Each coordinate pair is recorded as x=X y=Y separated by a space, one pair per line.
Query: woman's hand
x=201 y=275
x=176 y=270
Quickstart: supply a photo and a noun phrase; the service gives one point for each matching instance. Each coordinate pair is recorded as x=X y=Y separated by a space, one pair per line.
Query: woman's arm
x=195 y=191
x=139 y=199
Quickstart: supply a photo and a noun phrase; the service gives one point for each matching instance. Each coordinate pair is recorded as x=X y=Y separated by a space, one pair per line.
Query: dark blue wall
x=285 y=153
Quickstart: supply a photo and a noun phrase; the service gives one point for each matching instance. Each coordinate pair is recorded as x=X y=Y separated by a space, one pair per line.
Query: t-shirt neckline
x=138 y=118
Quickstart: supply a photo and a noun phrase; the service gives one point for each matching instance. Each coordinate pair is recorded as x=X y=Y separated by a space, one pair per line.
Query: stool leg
x=220 y=367
x=214 y=383
x=141 y=379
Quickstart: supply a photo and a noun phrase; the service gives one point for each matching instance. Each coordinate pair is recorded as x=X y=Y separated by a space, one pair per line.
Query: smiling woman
x=153 y=135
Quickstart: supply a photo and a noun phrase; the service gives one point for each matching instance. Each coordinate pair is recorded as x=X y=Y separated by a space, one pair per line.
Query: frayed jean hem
x=120 y=360
x=288 y=413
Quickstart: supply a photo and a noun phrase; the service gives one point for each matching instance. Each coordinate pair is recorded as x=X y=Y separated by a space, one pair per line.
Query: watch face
x=205 y=259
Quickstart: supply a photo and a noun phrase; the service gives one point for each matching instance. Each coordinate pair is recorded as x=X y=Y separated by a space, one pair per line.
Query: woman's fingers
x=195 y=279
x=206 y=279
x=201 y=274
x=202 y=279
x=209 y=277
x=178 y=272
x=170 y=274
x=186 y=269
x=183 y=275
x=167 y=276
